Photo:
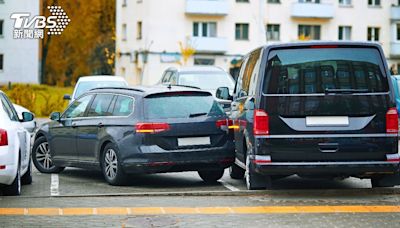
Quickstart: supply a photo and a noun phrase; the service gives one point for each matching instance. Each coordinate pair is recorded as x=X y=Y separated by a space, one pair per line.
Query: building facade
x=19 y=58
x=153 y=35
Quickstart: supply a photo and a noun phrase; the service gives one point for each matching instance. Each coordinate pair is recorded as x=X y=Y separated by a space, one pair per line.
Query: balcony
x=312 y=10
x=209 y=44
x=395 y=49
x=207 y=7
x=395 y=13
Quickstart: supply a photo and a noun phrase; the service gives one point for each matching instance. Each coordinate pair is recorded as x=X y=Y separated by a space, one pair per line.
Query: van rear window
x=315 y=70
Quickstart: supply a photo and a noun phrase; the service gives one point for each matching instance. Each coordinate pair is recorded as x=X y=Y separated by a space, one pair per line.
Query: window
x=78 y=108
x=1 y=27
x=273 y=32
x=345 y=2
x=1 y=1
x=344 y=33
x=101 y=105
x=204 y=61
x=274 y=1
x=373 y=34
x=124 y=34
x=139 y=30
x=241 y=31
x=1 y=62
x=309 y=32
x=374 y=2
x=123 y=106
x=309 y=1
x=166 y=77
x=124 y=3
x=248 y=73
x=242 y=0
x=398 y=32
x=8 y=108
x=204 y=29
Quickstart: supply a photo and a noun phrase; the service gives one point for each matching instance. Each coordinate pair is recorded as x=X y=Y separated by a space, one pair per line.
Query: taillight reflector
x=226 y=123
x=151 y=128
x=392 y=121
x=393 y=157
x=2 y=167
x=261 y=122
x=3 y=138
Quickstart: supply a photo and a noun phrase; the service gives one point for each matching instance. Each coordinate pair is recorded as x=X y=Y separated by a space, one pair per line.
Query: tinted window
x=8 y=109
x=307 y=71
x=123 y=106
x=206 y=80
x=101 y=105
x=86 y=86
x=78 y=108
x=181 y=105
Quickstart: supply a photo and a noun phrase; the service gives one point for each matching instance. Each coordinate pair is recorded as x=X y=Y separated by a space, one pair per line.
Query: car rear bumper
x=8 y=174
x=359 y=168
x=157 y=160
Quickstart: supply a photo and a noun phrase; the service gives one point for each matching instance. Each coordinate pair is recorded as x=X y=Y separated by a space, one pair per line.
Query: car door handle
x=100 y=125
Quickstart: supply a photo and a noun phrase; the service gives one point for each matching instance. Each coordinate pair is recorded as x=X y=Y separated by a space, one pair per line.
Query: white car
x=30 y=126
x=87 y=83
x=15 y=162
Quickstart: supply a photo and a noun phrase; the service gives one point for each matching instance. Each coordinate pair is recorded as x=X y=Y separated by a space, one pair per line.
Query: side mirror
x=27 y=117
x=223 y=93
x=67 y=97
x=56 y=116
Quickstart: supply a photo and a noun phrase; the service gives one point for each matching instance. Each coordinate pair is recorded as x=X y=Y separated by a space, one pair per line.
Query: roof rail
x=124 y=88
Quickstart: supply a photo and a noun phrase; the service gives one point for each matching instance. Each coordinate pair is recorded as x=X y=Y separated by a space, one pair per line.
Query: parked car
x=396 y=83
x=87 y=83
x=208 y=78
x=315 y=109
x=30 y=126
x=138 y=130
x=15 y=162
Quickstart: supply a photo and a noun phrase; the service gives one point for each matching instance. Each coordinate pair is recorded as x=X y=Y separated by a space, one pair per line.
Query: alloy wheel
x=43 y=156
x=111 y=163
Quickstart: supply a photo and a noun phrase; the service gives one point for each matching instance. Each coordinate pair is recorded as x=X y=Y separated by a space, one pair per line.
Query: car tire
x=211 y=176
x=236 y=172
x=255 y=181
x=377 y=183
x=27 y=177
x=111 y=166
x=41 y=157
x=15 y=188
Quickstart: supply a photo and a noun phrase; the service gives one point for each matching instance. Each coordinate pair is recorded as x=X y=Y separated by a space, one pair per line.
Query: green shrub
x=39 y=99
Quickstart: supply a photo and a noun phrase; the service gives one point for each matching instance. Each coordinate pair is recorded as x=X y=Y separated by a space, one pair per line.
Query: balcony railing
x=207 y=7
x=209 y=44
x=312 y=10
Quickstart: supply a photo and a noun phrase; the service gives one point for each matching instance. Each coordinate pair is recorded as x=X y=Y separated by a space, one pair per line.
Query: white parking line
x=54 y=185
x=229 y=186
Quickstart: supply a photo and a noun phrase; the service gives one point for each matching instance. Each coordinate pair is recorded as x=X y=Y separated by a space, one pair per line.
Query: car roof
x=191 y=69
x=100 y=78
x=145 y=91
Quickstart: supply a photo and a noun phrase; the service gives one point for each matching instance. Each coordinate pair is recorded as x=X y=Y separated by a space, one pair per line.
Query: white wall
x=21 y=56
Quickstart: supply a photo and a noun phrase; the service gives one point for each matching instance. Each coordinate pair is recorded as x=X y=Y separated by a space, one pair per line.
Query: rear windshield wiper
x=197 y=114
x=346 y=91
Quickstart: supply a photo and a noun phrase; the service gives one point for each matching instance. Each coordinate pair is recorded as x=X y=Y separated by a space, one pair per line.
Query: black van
x=323 y=109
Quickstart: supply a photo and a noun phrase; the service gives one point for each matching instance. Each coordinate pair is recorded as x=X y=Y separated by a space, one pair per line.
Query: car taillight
x=261 y=122
x=392 y=121
x=225 y=124
x=151 y=128
x=3 y=138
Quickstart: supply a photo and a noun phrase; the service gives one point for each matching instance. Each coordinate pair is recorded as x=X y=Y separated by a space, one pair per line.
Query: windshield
x=207 y=80
x=86 y=86
x=181 y=106
x=317 y=70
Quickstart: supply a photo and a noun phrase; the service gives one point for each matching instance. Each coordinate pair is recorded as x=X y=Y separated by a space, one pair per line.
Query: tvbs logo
x=27 y=27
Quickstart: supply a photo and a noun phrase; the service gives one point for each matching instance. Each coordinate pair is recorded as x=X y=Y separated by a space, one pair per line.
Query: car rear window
x=315 y=70
x=181 y=105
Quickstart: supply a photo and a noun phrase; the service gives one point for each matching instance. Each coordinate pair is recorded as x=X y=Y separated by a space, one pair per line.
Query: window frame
x=1 y=28
x=312 y=30
x=273 y=27
x=114 y=102
x=239 y=27
x=373 y=34
x=10 y=110
x=200 y=25
x=93 y=101
x=1 y=62
x=63 y=115
x=344 y=30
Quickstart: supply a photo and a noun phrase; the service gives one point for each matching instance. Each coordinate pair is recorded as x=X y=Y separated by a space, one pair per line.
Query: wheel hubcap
x=111 y=164
x=43 y=156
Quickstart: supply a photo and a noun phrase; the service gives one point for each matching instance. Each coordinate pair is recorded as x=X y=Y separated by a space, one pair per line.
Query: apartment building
x=19 y=58
x=153 y=35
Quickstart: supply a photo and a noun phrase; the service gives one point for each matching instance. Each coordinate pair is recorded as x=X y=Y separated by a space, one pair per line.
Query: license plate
x=321 y=121
x=194 y=141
